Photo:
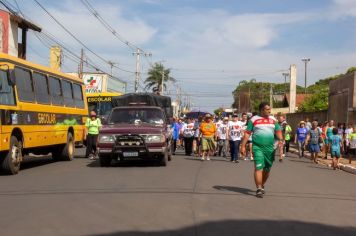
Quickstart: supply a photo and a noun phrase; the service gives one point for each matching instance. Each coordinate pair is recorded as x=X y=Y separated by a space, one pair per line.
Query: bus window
x=67 y=93
x=6 y=91
x=78 y=95
x=41 y=88
x=56 y=91
x=24 y=85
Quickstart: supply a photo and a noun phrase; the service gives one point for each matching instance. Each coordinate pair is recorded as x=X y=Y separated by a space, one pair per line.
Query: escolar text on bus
x=45 y=118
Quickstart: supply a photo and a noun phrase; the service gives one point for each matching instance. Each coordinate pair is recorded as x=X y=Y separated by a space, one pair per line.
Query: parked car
x=135 y=132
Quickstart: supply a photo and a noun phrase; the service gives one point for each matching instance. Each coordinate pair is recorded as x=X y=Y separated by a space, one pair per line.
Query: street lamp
x=285 y=81
x=305 y=60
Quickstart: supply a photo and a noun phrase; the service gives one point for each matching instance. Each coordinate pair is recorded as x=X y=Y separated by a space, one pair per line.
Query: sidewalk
x=344 y=162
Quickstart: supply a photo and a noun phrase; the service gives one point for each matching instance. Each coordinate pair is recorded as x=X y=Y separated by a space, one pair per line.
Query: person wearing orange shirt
x=208 y=135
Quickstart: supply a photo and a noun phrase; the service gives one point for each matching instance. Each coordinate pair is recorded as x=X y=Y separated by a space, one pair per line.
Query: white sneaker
x=202 y=159
x=245 y=159
x=208 y=158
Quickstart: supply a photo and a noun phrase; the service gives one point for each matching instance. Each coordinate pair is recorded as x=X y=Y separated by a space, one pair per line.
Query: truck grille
x=130 y=140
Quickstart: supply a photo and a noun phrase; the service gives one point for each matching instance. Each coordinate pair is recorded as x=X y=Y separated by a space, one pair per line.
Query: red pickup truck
x=135 y=132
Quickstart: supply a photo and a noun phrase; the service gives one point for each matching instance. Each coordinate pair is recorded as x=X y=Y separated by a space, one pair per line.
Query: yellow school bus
x=41 y=112
x=101 y=102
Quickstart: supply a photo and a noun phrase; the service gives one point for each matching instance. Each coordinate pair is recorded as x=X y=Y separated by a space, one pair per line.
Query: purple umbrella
x=196 y=114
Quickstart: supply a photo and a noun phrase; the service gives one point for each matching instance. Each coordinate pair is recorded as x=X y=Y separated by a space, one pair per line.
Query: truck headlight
x=155 y=138
x=106 y=138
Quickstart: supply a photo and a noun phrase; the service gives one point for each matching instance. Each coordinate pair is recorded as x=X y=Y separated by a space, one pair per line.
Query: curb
x=347 y=168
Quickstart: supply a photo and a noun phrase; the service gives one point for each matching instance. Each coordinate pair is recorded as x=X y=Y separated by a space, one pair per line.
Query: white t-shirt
x=347 y=132
x=222 y=129
x=188 y=130
x=235 y=130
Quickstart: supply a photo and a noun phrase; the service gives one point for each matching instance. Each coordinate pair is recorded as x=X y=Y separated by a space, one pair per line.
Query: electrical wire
x=77 y=39
x=108 y=26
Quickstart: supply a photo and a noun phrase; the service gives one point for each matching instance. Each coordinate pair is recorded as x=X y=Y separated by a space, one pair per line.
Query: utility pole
x=285 y=81
x=162 y=82
x=305 y=60
x=111 y=63
x=81 y=64
x=179 y=100
x=271 y=97
x=239 y=101
x=137 y=73
x=138 y=54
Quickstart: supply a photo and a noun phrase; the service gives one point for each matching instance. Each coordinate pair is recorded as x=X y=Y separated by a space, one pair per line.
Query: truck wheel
x=164 y=159
x=169 y=153
x=65 y=152
x=12 y=161
x=104 y=161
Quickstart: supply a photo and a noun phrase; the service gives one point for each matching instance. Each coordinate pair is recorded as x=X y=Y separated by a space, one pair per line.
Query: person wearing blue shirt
x=300 y=137
x=335 y=146
x=175 y=134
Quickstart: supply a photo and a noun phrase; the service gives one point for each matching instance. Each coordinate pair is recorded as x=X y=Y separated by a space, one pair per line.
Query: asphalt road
x=188 y=197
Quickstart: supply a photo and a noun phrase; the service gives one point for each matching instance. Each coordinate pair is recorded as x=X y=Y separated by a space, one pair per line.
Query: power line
x=108 y=26
x=76 y=39
x=45 y=38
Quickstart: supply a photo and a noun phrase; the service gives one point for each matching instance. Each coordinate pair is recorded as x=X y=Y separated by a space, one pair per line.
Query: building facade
x=342 y=99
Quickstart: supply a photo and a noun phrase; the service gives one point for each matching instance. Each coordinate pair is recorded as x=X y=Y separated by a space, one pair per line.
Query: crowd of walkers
x=221 y=136
x=259 y=136
x=208 y=136
x=325 y=138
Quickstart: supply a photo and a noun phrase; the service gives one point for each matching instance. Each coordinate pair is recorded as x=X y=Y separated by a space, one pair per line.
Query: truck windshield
x=6 y=90
x=136 y=115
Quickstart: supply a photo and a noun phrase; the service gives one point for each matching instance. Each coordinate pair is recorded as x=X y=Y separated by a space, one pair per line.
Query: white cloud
x=342 y=8
x=75 y=17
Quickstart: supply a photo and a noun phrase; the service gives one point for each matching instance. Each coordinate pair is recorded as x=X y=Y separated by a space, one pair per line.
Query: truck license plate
x=130 y=154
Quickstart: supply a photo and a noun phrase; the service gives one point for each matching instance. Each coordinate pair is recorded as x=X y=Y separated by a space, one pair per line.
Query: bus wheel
x=65 y=152
x=11 y=163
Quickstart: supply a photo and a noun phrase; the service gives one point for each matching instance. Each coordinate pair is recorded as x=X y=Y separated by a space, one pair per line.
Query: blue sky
x=209 y=45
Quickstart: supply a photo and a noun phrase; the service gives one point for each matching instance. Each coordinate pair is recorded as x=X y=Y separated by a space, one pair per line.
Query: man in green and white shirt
x=263 y=129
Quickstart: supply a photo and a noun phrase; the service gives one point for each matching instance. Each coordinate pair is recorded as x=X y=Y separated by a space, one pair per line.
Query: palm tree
x=154 y=79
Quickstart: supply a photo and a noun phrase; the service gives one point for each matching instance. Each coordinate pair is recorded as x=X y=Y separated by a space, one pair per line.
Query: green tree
x=259 y=91
x=316 y=102
x=218 y=111
x=154 y=79
x=351 y=69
